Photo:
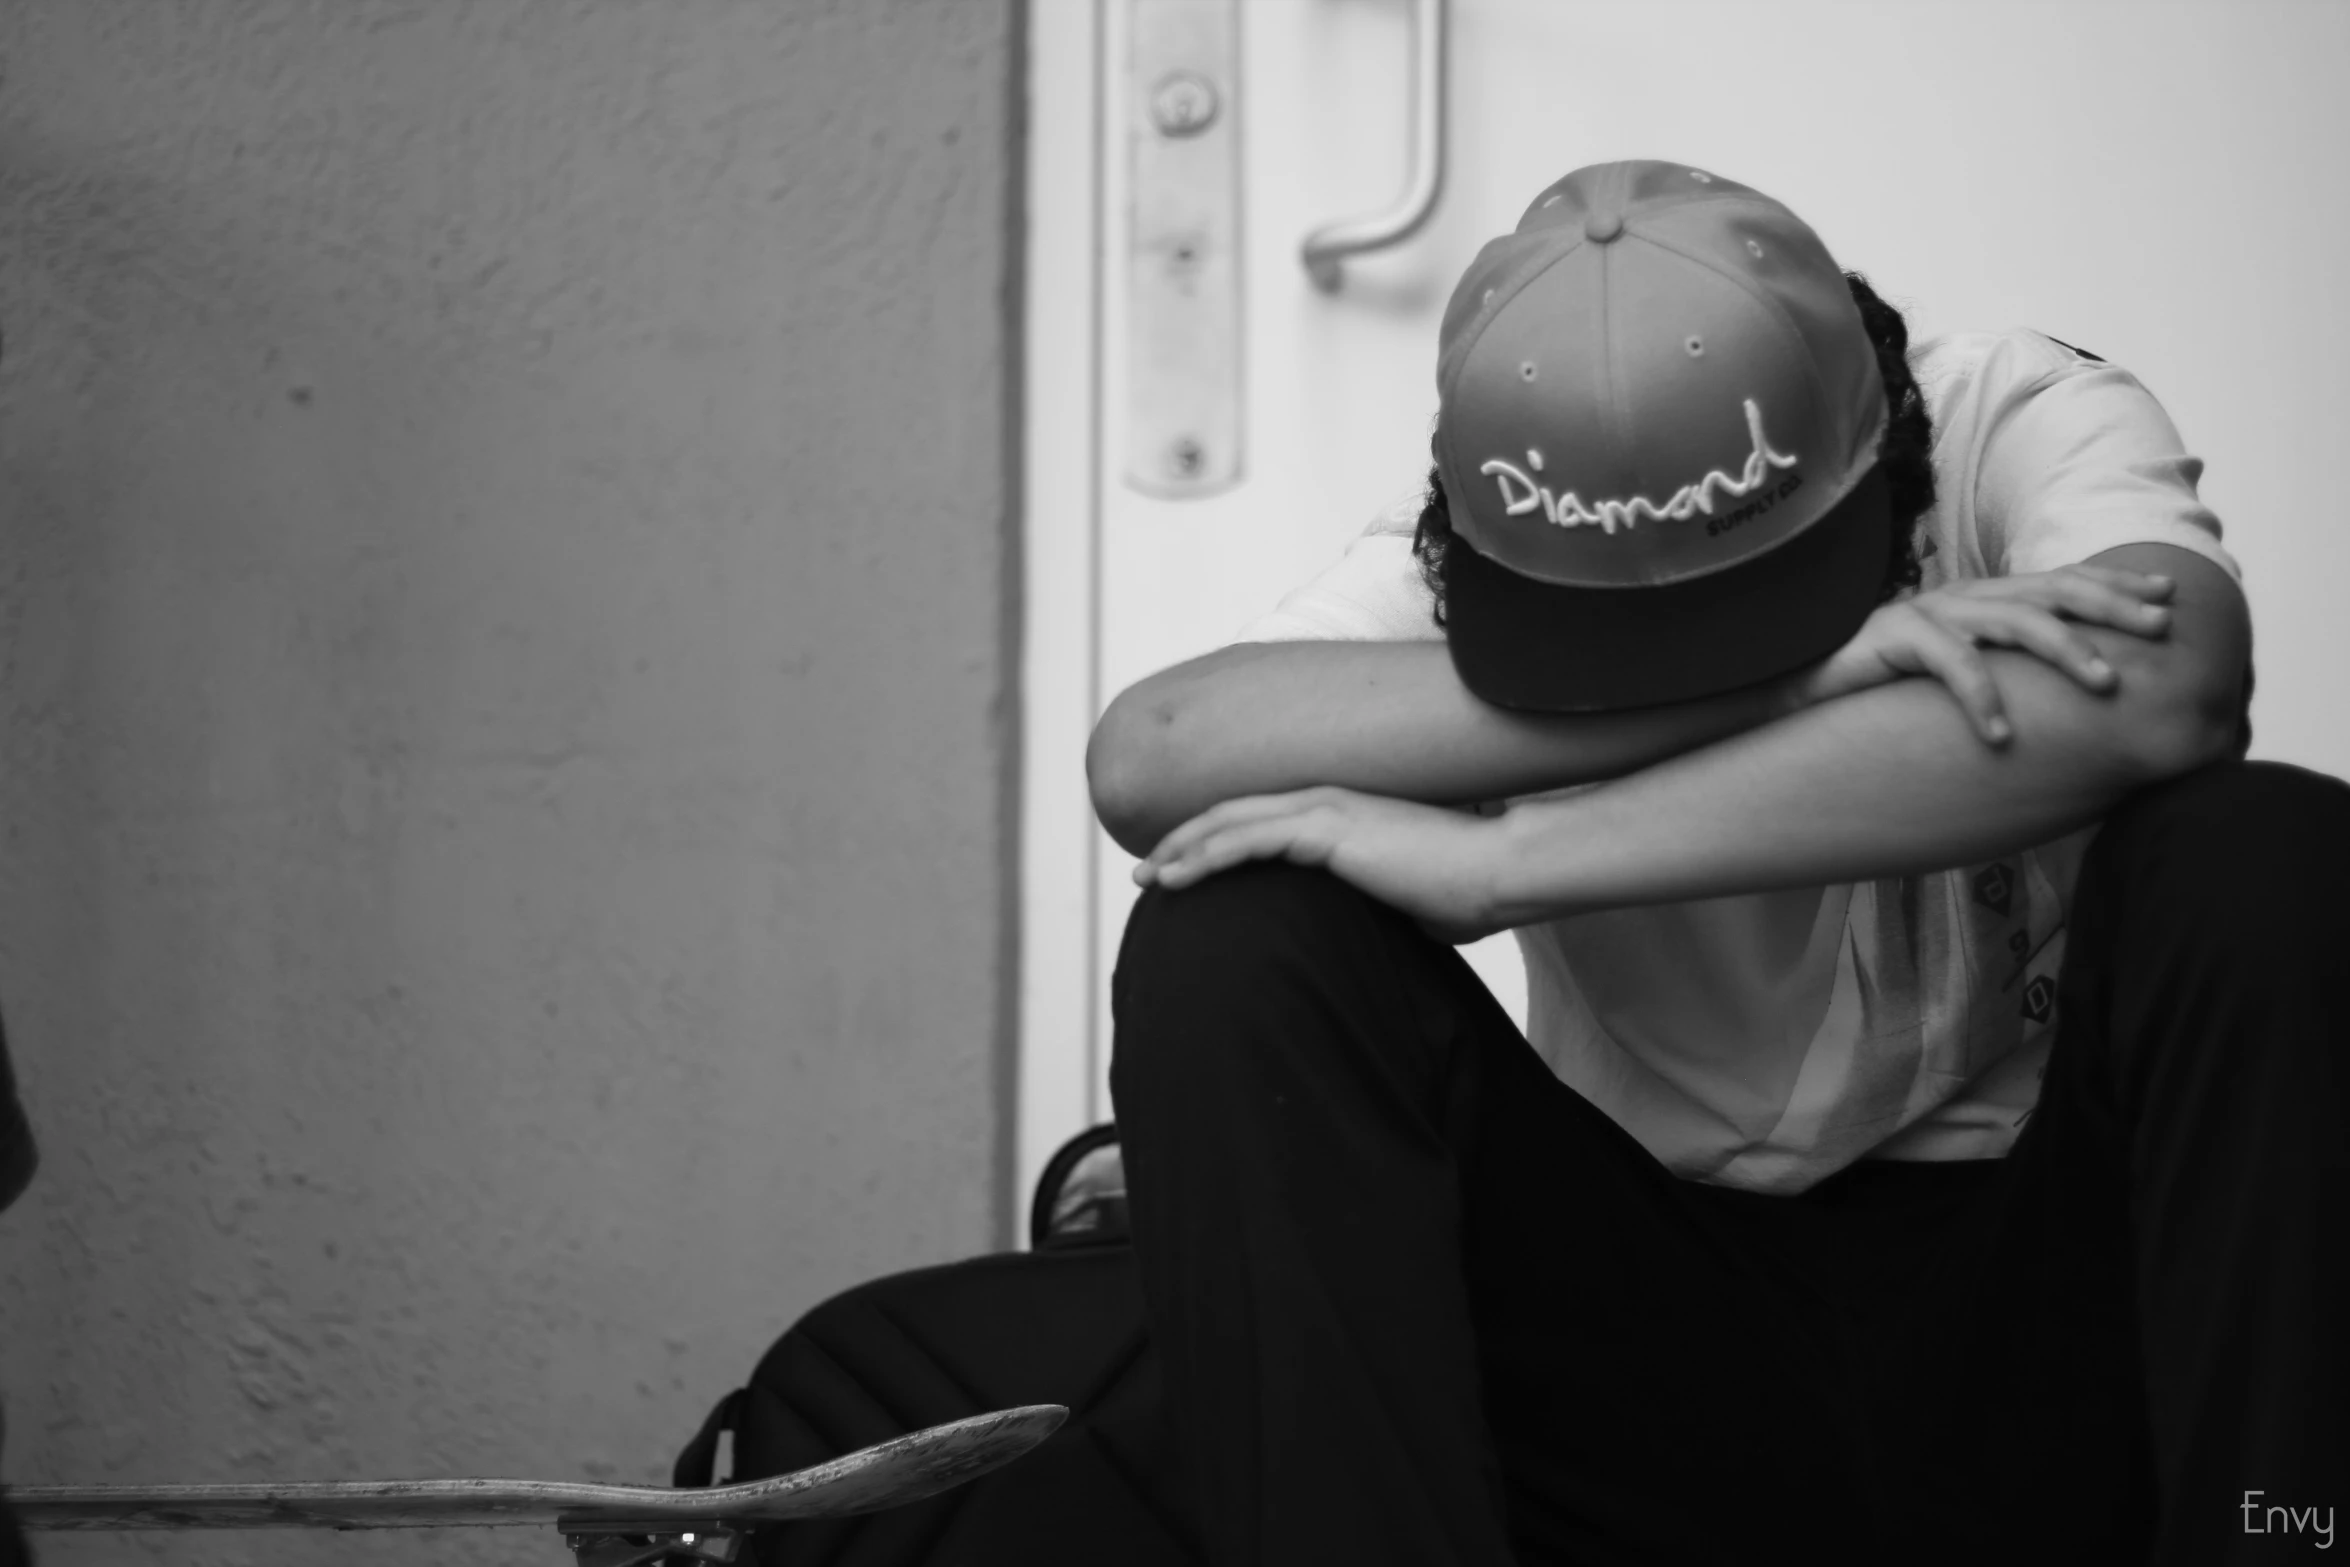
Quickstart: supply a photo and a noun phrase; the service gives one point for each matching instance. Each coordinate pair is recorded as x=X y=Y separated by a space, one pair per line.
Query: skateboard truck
x=650 y=1542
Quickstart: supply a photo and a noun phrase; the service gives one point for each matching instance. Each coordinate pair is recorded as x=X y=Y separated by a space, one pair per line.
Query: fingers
x=1951 y=658
x=2121 y=606
x=2052 y=640
x=2138 y=584
x=1215 y=819
x=1293 y=835
x=1223 y=836
x=2097 y=595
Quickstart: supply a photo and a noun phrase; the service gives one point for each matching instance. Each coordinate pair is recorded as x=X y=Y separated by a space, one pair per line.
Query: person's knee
x=2203 y=933
x=2233 y=814
x=1236 y=925
x=2237 y=792
x=1203 y=968
x=2238 y=830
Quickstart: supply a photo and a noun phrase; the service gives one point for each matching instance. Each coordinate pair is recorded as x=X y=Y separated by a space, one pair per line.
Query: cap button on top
x=1602 y=226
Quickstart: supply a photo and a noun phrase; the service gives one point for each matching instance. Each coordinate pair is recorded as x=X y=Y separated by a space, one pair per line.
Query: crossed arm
x=1335 y=754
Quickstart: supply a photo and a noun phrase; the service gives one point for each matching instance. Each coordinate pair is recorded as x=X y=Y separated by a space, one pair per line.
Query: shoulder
x=1994 y=365
x=1986 y=391
x=1374 y=592
x=1400 y=517
x=2047 y=453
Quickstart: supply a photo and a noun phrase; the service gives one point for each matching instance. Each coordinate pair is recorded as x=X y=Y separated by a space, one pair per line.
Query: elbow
x=2183 y=732
x=2188 y=721
x=1144 y=762
x=1153 y=762
x=1118 y=774
x=2184 y=694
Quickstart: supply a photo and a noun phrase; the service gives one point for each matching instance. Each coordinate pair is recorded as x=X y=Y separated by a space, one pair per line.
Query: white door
x=2162 y=185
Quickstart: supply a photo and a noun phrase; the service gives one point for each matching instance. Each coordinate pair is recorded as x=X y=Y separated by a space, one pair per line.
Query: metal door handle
x=1330 y=244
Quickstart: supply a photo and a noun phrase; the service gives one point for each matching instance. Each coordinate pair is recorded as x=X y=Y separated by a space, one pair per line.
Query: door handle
x=1328 y=246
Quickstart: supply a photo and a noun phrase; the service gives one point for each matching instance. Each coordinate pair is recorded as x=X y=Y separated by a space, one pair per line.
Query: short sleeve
x=2082 y=459
x=1372 y=593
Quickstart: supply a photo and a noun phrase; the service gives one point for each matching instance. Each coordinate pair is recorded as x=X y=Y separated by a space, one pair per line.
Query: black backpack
x=1058 y=1324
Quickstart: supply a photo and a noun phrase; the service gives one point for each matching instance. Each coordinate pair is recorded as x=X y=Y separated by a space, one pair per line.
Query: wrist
x=1526 y=878
x=1795 y=691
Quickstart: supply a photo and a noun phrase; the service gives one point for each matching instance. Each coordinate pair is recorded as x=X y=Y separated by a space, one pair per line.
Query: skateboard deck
x=606 y=1524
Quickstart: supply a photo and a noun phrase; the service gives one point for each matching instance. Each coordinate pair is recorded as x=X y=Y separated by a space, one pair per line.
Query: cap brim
x=1540 y=647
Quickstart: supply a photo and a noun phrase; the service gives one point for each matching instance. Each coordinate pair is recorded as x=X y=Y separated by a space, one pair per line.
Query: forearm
x=1388 y=718
x=1893 y=781
x=1887 y=782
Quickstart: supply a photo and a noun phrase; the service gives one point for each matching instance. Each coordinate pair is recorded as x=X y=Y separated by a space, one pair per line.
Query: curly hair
x=1906 y=452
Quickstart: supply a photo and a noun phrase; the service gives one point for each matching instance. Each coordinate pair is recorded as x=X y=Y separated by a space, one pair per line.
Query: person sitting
x=1931 y=1134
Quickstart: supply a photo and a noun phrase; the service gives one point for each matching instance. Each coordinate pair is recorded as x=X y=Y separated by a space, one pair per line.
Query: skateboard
x=605 y=1525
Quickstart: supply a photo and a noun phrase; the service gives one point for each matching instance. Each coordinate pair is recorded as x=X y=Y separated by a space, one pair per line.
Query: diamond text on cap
x=1570 y=510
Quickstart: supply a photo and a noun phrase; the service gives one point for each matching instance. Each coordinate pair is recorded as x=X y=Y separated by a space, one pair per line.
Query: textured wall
x=505 y=717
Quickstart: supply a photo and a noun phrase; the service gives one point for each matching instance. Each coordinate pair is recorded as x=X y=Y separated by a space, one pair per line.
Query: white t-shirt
x=1766 y=1041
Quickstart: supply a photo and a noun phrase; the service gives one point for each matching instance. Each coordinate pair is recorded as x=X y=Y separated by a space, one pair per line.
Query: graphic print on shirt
x=1994 y=887
x=2015 y=902
x=2009 y=923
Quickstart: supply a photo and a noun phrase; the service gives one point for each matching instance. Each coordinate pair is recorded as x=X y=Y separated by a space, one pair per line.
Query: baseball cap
x=1657 y=431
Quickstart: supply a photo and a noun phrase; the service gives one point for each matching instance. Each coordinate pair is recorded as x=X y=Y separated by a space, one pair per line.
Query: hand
x=1435 y=865
x=1937 y=634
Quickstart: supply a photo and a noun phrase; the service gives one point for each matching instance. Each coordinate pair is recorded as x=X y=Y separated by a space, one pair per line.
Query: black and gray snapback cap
x=1659 y=415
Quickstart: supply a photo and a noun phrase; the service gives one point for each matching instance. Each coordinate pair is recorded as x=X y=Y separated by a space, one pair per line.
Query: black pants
x=1419 y=1302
